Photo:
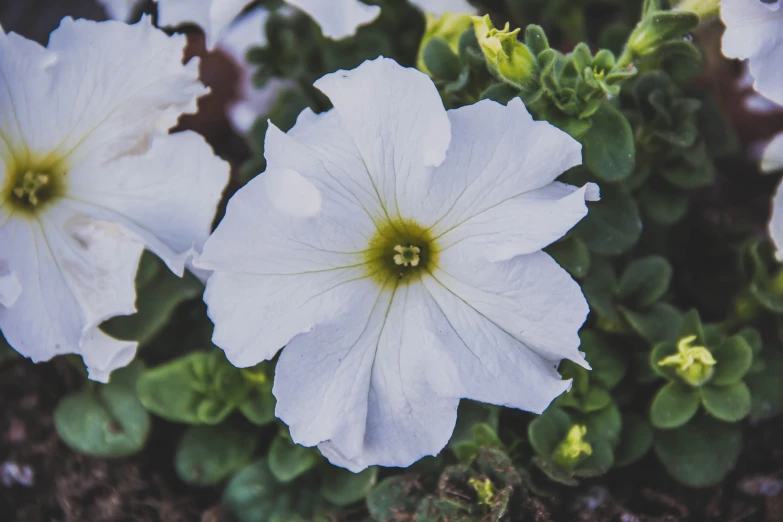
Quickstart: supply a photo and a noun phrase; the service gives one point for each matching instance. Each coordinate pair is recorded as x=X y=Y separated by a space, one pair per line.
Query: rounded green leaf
x=674 y=405
x=659 y=323
x=636 y=440
x=728 y=403
x=700 y=453
x=547 y=430
x=659 y=352
x=572 y=254
x=599 y=462
x=596 y=398
x=208 y=454
x=603 y=425
x=645 y=281
x=733 y=359
x=106 y=420
x=608 y=368
x=288 y=461
x=612 y=225
x=253 y=494
x=609 y=150
x=343 y=488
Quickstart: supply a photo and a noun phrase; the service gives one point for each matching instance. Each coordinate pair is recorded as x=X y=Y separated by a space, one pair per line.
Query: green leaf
x=608 y=368
x=394 y=498
x=765 y=388
x=106 y=420
x=658 y=324
x=572 y=254
x=159 y=292
x=200 y=388
x=612 y=225
x=343 y=488
x=609 y=150
x=259 y=406
x=645 y=281
x=208 y=454
x=665 y=206
x=701 y=453
x=470 y=414
x=604 y=425
x=441 y=60
x=733 y=359
x=635 y=441
x=728 y=403
x=599 y=288
x=547 y=430
x=691 y=325
x=253 y=494
x=287 y=460
x=599 y=462
x=659 y=352
x=674 y=405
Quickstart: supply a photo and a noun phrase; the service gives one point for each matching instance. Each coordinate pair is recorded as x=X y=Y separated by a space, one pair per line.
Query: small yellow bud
x=693 y=363
x=485 y=491
x=506 y=56
x=573 y=449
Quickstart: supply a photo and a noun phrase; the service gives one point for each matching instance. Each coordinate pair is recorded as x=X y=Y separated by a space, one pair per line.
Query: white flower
x=772 y=160
x=337 y=18
x=440 y=7
x=10 y=289
x=753 y=32
x=88 y=178
x=395 y=248
x=245 y=33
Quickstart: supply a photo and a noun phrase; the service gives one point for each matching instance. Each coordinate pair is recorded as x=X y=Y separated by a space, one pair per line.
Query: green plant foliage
x=287 y=460
x=105 y=420
x=208 y=454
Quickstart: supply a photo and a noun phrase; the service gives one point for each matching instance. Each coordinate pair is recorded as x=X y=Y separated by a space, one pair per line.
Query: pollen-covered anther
x=30 y=184
x=407 y=256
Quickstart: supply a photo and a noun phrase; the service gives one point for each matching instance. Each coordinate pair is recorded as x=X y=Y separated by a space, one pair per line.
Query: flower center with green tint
x=28 y=190
x=573 y=449
x=400 y=251
x=693 y=363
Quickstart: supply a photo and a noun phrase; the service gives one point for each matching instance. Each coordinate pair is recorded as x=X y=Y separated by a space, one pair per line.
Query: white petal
x=75 y=272
x=10 y=289
x=213 y=16
x=530 y=297
x=776 y=222
x=773 y=155
x=103 y=354
x=439 y=7
x=497 y=153
x=396 y=119
x=338 y=18
x=478 y=359
x=167 y=196
x=281 y=269
x=357 y=387
x=120 y=9
x=524 y=224
x=753 y=32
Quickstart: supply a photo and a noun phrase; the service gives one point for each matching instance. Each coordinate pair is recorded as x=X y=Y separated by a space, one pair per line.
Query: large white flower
x=395 y=248
x=337 y=18
x=89 y=177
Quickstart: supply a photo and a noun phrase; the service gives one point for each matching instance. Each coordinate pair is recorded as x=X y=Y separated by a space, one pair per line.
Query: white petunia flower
x=754 y=31
x=88 y=178
x=395 y=249
x=440 y=7
x=337 y=18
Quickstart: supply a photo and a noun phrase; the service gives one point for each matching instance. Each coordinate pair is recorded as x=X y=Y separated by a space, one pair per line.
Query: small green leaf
x=733 y=358
x=288 y=461
x=701 y=453
x=612 y=225
x=394 y=498
x=572 y=254
x=604 y=425
x=635 y=441
x=663 y=205
x=343 y=488
x=441 y=60
x=253 y=494
x=645 y=281
x=107 y=420
x=691 y=325
x=609 y=150
x=658 y=324
x=608 y=368
x=728 y=403
x=765 y=387
x=674 y=405
x=596 y=398
x=659 y=352
x=208 y=454
x=259 y=406
x=547 y=430
x=599 y=462
x=469 y=414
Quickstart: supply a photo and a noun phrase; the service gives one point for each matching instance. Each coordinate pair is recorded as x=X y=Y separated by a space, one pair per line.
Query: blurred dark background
x=35 y=19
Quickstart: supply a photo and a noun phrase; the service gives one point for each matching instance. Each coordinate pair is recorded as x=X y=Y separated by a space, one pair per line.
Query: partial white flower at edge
x=394 y=249
x=89 y=177
x=440 y=7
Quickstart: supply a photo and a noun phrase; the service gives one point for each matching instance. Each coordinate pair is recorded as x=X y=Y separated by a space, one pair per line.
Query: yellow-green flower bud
x=573 y=449
x=485 y=491
x=448 y=28
x=694 y=364
x=507 y=57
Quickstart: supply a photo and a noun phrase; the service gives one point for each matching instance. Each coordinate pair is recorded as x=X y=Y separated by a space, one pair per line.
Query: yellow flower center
x=693 y=363
x=28 y=189
x=399 y=251
x=574 y=448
